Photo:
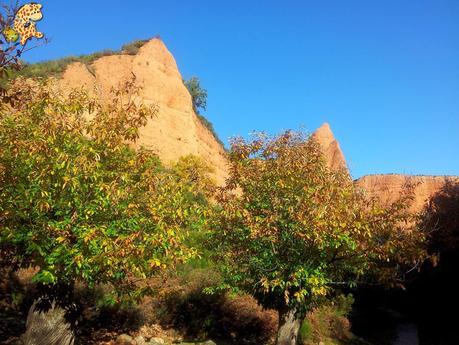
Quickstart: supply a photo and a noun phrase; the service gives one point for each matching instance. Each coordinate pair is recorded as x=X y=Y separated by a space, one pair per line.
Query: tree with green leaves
x=198 y=94
x=291 y=232
x=79 y=203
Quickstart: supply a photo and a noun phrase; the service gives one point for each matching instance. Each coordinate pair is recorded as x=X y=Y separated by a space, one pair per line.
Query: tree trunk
x=47 y=327
x=289 y=327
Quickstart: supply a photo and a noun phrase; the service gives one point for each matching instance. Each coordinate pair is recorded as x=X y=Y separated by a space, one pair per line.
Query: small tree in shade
x=290 y=231
x=198 y=94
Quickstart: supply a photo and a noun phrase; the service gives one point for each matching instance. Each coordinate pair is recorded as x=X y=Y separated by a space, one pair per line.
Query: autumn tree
x=79 y=203
x=291 y=232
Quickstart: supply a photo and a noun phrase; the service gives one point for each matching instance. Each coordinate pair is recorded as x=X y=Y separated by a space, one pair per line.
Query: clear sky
x=384 y=74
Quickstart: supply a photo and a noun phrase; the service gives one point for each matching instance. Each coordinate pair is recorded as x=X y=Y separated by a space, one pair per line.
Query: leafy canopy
x=77 y=201
x=289 y=230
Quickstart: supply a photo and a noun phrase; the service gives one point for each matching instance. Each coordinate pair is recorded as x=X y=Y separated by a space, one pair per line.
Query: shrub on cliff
x=55 y=68
x=133 y=47
x=199 y=99
x=198 y=94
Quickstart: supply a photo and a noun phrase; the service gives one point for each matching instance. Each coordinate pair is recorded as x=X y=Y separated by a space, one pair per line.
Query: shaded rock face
x=176 y=131
x=330 y=147
x=388 y=188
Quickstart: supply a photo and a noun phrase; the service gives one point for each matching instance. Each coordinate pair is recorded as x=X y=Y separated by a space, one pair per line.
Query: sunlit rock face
x=176 y=130
x=330 y=147
x=386 y=187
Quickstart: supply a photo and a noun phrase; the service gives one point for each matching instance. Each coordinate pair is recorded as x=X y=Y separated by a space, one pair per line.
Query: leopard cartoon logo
x=24 y=22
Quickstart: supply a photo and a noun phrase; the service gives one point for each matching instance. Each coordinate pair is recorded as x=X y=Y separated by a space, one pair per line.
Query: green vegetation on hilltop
x=54 y=68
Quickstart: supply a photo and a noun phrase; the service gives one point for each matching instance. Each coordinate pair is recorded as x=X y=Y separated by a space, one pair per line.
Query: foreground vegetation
x=95 y=226
x=103 y=225
x=80 y=204
x=292 y=232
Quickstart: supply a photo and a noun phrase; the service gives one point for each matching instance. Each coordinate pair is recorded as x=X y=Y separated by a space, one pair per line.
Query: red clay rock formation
x=332 y=151
x=387 y=187
x=176 y=131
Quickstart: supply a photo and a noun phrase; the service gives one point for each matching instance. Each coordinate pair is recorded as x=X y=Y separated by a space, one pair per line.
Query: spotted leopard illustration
x=24 y=22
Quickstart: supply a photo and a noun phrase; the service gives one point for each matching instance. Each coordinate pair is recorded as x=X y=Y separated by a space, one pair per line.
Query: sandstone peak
x=157 y=51
x=176 y=131
x=386 y=187
x=330 y=147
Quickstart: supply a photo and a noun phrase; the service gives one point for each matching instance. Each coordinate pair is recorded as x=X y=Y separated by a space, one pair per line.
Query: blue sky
x=384 y=74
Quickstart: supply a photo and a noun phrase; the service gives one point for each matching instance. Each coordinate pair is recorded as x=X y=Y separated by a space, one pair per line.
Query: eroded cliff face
x=175 y=131
x=386 y=187
x=330 y=147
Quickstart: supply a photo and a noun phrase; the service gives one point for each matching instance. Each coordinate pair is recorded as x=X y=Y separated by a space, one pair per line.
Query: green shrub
x=198 y=94
x=199 y=99
x=305 y=330
x=206 y=123
x=133 y=47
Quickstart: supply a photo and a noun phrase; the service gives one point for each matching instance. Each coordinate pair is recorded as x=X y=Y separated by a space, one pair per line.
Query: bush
x=199 y=99
x=198 y=94
x=133 y=47
x=206 y=123
x=199 y=315
x=328 y=323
